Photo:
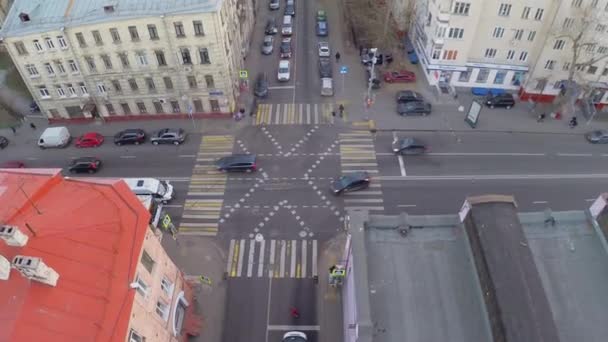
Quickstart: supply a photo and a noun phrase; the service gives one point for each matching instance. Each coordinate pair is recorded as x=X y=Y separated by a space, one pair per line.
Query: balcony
x=443 y=17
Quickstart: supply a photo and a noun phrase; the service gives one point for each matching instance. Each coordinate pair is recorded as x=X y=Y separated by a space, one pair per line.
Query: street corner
x=199 y=255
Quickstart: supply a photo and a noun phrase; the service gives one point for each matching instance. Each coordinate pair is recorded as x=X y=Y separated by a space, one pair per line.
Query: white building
x=89 y=58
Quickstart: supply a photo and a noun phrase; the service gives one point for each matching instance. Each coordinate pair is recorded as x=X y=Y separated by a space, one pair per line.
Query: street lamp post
x=368 y=98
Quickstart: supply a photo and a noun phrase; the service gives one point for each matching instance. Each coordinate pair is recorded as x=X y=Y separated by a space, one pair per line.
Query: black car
x=237 y=162
x=174 y=136
x=597 y=137
x=408 y=146
x=3 y=142
x=261 y=86
x=271 y=27
x=501 y=100
x=350 y=182
x=414 y=108
x=404 y=96
x=325 y=67
x=285 y=48
x=85 y=164
x=130 y=136
x=290 y=9
x=376 y=82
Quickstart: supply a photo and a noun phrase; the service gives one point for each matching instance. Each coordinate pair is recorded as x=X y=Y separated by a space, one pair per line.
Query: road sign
x=344 y=69
x=243 y=74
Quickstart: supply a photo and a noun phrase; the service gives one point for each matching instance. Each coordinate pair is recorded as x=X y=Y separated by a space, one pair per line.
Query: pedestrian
x=333 y=113
x=337 y=56
x=14 y=130
x=573 y=122
x=32 y=125
x=294 y=312
x=341 y=109
x=541 y=117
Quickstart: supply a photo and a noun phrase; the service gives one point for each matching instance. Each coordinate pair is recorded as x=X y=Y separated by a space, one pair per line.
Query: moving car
x=321 y=15
x=261 y=85
x=133 y=136
x=376 y=83
x=12 y=164
x=90 y=139
x=55 y=137
x=401 y=76
x=324 y=50
x=160 y=190
x=350 y=182
x=408 y=146
x=237 y=162
x=294 y=336
x=3 y=142
x=322 y=29
x=85 y=164
x=271 y=27
x=286 y=47
x=325 y=69
x=267 y=45
x=500 y=100
x=274 y=4
x=327 y=86
x=404 y=96
x=284 y=73
x=175 y=136
x=414 y=108
x=597 y=137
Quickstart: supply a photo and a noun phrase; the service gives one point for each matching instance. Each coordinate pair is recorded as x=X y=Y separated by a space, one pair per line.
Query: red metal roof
x=91 y=232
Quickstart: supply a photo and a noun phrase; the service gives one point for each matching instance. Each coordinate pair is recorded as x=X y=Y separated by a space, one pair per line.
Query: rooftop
x=93 y=243
x=45 y=15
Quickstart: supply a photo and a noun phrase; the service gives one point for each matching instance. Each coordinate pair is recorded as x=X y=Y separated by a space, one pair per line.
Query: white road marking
x=314 y=258
x=250 y=258
x=539 y=202
x=32 y=158
x=230 y=256
x=271 y=260
x=128 y=157
x=261 y=259
x=294 y=248
x=401 y=165
x=294 y=327
x=363 y=200
x=495 y=177
x=172 y=205
x=187 y=156
x=239 y=266
x=406 y=205
x=365 y=193
x=365 y=208
x=282 y=265
x=575 y=154
x=590 y=199
x=282 y=87
x=498 y=154
x=303 y=274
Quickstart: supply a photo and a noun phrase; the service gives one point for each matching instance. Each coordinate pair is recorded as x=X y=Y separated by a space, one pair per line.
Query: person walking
x=337 y=56
x=573 y=122
x=32 y=125
x=294 y=312
x=14 y=130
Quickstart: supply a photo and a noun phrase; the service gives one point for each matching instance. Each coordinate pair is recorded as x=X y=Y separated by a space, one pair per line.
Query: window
x=49 y=43
x=192 y=82
x=141 y=58
x=91 y=63
x=162 y=309
x=175 y=106
x=83 y=88
x=592 y=69
x=568 y=22
x=566 y=66
x=441 y=31
x=541 y=84
x=465 y=75
x=605 y=72
x=62 y=43
x=450 y=54
x=461 y=8
x=31 y=69
x=55 y=113
x=168 y=82
x=44 y=93
x=133 y=84
x=101 y=88
x=141 y=107
x=602 y=49
x=115 y=35
x=20 y=47
x=97 y=37
x=436 y=54
x=110 y=109
x=518 y=34
x=198 y=28
x=579 y=67
x=550 y=64
x=500 y=77
x=73 y=65
x=153 y=32
x=523 y=56
x=133 y=33
x=209 y=81
x=504 y=10
x=455 y=32
x=142 y=289
x=147 y=261
x=198 y=108
x=559 y=44
x=539 y=14
x=179 y=29
x=71 y=89
x=38 y=46
x=186 y=58
x=531 y=36
x=150 y=84
x=60 y=91
x=126 y=110
x=490 y=53
x=107 y=62
x=80 y=38
x=60 y=67
x=600 y=28
x=510 y=54
x=590 y=48
x=498 y=32
x=116 y=85
x=204 y=56
x=158 y=107
x=577 y=3
x=160 y=58
x=526 y=13
x=49 y=69
x=124 y=59
x=482 y=76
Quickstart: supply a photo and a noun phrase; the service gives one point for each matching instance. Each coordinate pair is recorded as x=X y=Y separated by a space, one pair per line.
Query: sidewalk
x=329 y=300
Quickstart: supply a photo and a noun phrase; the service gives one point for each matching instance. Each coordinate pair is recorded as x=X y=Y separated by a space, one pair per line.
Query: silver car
x=267 y=45
x=324 y=50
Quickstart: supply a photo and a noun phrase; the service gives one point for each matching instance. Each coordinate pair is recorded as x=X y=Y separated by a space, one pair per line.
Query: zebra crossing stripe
x=241 y=255
x=230 y=257
x=250 y=258
x=304 y=260
x=282 y=265
x=293 y=258
x=314 y=258
x=271 y=260
x=261 y=259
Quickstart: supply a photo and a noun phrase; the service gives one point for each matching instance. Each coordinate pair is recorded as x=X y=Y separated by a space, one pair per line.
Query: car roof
x=268 y=37
x=410 y=93
x=84 y=160
x=323 y=44
x=286 y=40
x=284 y=63
x=238 y=158
x=356 y=175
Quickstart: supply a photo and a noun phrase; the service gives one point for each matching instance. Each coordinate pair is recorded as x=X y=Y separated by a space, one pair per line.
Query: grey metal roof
x=46 y=15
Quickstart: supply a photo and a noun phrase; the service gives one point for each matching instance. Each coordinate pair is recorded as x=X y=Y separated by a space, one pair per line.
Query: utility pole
x=368 y=98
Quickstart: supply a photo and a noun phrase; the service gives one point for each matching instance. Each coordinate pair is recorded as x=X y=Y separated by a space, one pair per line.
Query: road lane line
x=495 y=177
x=406 y=205
x=128 y=157
x=271 y=260
x=250 y=258
x=294 y=247
x=261 y=259
x=172 y=206
x=314 y=258
x=34 y=158
x=282 y=265
x=239 y=269
x=539 y=202
x=590 y=199
x=363 y=200
x=304 y=261
x=294 y=327
x=282 y=87
x=575 y=154
x=230 y=258
x=187 y=156
x=401 y=165
x=481 y=154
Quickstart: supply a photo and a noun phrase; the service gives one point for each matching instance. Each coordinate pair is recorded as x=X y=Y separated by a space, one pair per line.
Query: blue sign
x=344 y=69
x=216 y=92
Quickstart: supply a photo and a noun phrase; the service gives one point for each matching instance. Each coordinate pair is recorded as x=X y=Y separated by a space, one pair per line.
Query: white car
x=294 y=336
x=324 y=50
x=284 y=72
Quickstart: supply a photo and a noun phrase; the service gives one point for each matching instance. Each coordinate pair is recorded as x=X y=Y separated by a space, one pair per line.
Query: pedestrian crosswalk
x=296 y=114
x=357 y=153
x=258 y=258
x=204 y=200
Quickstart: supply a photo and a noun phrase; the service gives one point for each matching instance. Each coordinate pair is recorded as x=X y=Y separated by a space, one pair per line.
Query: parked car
x=267 y=45
x=376 y=83
x=327 y=86
x=54 y=137
x=133 y=136
x=322 y=29
x=261 y=85
x=290 y=9
x=12 y=164
x=287 y=28
x=408 y=146
x=401 y=76
x=350 y=182
x=501 y=100
x=237 y=162
x=408 y=96
x=414 y=108
x=325 y=69
x=597 y=137
x=271 y=26
x=286 y=47
x=175 y=136
x=321 y=15
x=324 y=50
x=367 y=56
x=90 y=139
x=284 y=72
x=274 y=4
x=85 y=164
x=3 y=142
x=294 y=336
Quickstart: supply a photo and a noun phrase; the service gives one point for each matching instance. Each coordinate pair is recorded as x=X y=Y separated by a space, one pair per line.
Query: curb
x=474 y=130
x=109 y=119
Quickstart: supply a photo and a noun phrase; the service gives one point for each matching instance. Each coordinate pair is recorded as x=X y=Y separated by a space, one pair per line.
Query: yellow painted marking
x=235 y=259
x=298 y=270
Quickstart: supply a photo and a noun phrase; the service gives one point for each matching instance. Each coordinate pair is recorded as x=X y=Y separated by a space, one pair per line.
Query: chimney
x=35 y=269
x=24 y=17
x=13 y=236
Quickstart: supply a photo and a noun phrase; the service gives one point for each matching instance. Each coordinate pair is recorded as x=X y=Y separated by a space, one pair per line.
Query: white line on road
x=575 y=154
x=314 y=258
x=282 y=265
x=172 y=205
x=271 y=260
x=303 y=275
x=294 y=248
x=498 y=154
x=282 y=87
x=128 y=157
x=406 y=205
x=363 y=200
x=31 y=158
x=400 y=157
x=539 y=202
x=261 y=259
x=250 y=258
x=494 y=177
x=241 y=254
x=590 y=199
x=230 y=256
x=294 y=327
x=187 y=156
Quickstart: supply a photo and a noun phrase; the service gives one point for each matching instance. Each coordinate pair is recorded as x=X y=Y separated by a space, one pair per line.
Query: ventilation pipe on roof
x=13 y=236
x=24 y=17
x=35 y=269
x=108 y=8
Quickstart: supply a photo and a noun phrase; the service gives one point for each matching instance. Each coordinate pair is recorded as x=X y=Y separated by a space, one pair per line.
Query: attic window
x=108 y=8
x=24 y=17
x=140 y=183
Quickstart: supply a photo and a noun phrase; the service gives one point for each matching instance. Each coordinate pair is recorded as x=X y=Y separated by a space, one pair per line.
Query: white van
x=327 y=86
x=286 y=30
x=54 y=137
x=162 y=191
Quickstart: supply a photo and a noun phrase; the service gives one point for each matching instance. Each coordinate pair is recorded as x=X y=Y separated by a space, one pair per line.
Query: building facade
x=5 y=6
x=83 y=59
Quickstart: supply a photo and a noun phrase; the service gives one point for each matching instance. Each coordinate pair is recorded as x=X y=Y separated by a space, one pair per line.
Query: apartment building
x=100 y=58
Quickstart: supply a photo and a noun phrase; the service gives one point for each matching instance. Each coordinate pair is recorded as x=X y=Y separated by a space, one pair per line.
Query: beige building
x=90 y=58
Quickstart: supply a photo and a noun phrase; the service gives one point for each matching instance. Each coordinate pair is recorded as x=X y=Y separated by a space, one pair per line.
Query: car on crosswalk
x=237 y=163
x=408 y=146
x=350 y=182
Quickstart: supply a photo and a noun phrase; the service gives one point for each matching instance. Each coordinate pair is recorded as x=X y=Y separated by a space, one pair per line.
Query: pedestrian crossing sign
x=243 y=74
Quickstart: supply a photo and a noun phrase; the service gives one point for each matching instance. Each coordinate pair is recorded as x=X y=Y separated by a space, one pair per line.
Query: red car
x=91 y=139
x=12 y=164
x=402 y=76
